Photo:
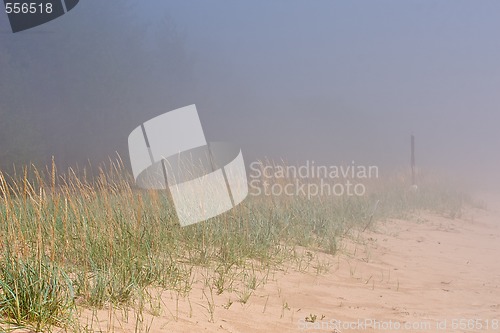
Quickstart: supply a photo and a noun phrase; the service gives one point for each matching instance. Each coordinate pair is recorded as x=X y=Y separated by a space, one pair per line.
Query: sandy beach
x=427 y=273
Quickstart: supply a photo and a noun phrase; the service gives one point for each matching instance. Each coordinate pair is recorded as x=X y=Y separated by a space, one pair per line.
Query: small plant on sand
x=244 y=296
x=312 y=318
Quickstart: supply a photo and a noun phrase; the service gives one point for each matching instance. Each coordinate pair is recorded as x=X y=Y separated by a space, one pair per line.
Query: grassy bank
x=72 y=240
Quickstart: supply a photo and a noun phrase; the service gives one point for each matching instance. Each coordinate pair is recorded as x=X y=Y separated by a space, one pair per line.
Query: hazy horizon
x=329 y=81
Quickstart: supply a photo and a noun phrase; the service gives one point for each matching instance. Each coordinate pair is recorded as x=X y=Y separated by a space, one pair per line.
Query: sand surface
x=426 y=274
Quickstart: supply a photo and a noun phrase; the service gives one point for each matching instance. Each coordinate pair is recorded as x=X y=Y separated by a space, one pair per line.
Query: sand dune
x=427 y=274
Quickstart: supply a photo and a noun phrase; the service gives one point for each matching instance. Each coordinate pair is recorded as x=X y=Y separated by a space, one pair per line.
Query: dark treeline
x=74 y=88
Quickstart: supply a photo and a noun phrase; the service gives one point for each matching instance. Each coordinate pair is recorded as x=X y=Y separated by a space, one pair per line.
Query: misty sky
x=336 y=80
x=351 y=79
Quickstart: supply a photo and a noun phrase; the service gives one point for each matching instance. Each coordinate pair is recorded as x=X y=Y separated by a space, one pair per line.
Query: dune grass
x=74 y=240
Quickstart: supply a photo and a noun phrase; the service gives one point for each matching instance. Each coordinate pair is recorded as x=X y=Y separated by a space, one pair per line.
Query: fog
x=329 y=81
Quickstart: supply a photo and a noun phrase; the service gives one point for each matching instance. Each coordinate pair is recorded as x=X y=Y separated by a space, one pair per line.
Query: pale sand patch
x=421 y=272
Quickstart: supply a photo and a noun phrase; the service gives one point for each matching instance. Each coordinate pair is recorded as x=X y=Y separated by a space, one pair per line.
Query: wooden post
x=413 y=160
